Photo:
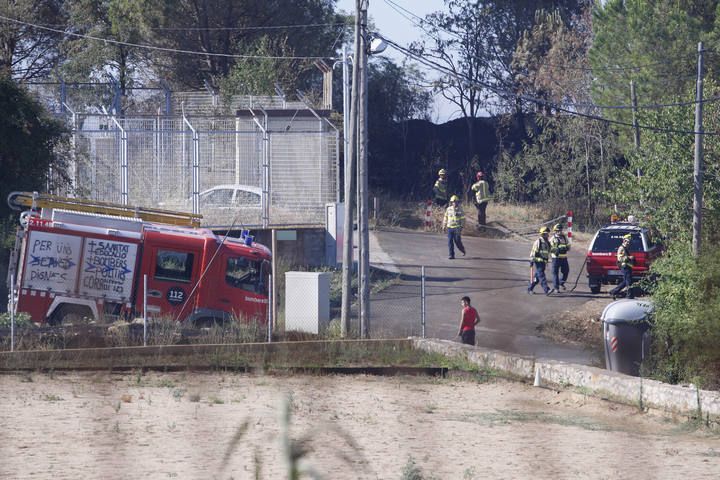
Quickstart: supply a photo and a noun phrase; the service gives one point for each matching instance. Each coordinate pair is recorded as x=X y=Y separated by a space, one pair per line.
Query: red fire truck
x=80 y=258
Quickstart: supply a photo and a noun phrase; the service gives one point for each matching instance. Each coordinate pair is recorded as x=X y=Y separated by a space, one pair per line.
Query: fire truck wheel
x=71 y=314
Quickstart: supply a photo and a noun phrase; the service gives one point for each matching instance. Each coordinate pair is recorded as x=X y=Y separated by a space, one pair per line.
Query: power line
x=420 y=21
x=251 y=28
x=166 y=49
x=537 y=101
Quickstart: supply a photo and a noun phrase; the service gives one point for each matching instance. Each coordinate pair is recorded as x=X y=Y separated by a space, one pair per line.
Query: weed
x=116 y=407
x=166 y=383
x=507 y=417
x=236 y=330
x=178 y=394
x=52 y=398
x=469 y=473
x=216 y=401
x=411 y=471
x=194 y=397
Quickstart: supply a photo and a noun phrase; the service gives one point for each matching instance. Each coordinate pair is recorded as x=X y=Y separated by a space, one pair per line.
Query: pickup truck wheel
x=595 y=289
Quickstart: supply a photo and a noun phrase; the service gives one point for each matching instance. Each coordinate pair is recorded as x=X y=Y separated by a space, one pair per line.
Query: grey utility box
x=307 y=301
x=626 y=332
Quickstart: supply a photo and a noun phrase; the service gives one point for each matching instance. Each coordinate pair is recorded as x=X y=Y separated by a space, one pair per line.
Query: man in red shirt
x=468 y=319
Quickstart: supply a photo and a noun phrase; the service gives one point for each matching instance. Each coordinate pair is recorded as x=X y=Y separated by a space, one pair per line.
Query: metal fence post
x=422 y=299
x=195 y=166
x=12 y=313
x=145 y=310
x=123 y=162
x=270 y=309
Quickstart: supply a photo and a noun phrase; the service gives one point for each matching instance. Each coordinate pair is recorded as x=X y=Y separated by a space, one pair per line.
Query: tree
x=32 y=143
x=27 y=52
x=122 y=22
x=473 y=42
x=565 y=157
x=395 y=96
x=652 y=43
x=268 y=28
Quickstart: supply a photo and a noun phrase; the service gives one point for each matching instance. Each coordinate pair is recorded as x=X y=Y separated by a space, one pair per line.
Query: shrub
x=687 y=317
x=22 y=320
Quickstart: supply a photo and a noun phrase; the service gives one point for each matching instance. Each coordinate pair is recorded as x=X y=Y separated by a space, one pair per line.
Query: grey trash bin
x=626 y=332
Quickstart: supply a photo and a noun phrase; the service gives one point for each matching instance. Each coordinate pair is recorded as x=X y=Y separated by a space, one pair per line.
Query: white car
x=220 y=197
x=230 y=196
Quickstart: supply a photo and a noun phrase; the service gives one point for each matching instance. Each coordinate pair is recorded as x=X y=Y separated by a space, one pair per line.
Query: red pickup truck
x=601 y=260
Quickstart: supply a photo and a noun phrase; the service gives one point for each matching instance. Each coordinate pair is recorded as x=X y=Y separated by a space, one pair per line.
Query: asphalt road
x=494 y=274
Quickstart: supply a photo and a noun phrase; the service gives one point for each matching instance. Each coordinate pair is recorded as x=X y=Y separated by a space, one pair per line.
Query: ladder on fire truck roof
x=35 y=200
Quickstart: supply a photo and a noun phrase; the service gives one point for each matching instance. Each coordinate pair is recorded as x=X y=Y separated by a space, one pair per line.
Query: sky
x=398 y=28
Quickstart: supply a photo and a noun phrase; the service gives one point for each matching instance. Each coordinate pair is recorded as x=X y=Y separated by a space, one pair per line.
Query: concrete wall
x=645 y=393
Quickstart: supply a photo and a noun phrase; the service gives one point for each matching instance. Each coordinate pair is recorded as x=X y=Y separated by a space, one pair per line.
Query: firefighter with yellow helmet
x=559 y=248
x=625 y=261
x=539 y=255
x=454 y=221
x=440 y=189
x=482 y=195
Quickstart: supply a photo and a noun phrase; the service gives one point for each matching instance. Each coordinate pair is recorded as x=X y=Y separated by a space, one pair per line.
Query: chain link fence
x=271 y=163
x=238 y=170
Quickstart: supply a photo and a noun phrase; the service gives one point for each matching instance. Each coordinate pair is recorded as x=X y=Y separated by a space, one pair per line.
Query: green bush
x=22 y=320
x=687 y=317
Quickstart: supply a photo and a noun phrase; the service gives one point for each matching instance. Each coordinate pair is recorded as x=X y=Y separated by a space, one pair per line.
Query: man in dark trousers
x=539 y=255
x=468 y=319
x=625 y=261
x=559 y=248
x=482 y=195
x=454 y=221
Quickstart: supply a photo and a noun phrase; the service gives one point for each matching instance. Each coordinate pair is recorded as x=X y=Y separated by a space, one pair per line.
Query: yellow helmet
x=442 y=172
x=544 y=230
x=557 y=227
x=454 y=198
x=627 y=236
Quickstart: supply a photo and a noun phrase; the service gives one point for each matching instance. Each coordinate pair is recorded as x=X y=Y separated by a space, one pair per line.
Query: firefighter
x=625 y=261
x=539 y=255
x=454 y=221
x=482 y=195
x=559 y=248
x=440 y=189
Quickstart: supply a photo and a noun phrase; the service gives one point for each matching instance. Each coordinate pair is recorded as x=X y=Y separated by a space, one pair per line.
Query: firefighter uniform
x=440 y=189
x=559 y=248
x=454 y=221
x=625 y=261
x=539 y=255
x=482 y=195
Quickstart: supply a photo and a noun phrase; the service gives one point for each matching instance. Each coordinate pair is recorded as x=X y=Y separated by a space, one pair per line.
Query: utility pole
x=363 y=217
x=636 y=136
x=636 y=127
x=350 y=156
x=698 y=164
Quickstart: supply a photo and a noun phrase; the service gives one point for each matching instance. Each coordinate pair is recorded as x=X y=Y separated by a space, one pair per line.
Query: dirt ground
x=190 y=426
x=580 y=325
